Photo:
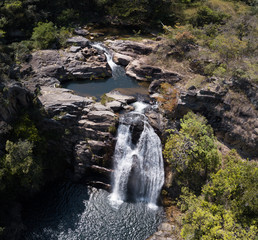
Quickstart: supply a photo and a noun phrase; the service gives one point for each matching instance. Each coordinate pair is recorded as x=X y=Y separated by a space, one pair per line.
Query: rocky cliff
x=230 y=106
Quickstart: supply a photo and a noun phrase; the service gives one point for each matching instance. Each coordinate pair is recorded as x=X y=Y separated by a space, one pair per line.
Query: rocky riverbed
x=90 y=126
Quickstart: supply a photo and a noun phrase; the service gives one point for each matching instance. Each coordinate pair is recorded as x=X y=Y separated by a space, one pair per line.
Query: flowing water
x=70 y=211
x=101 y=86
x=73 y=212
x=138 y=161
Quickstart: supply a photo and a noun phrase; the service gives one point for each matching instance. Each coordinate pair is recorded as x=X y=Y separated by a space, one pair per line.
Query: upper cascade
x=108 y=55
x=138 y=162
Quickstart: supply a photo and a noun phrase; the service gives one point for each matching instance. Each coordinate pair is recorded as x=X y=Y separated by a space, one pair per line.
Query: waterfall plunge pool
x=70 y=211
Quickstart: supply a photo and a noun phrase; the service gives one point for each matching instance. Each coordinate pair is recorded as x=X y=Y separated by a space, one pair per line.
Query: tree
x=192 y=152
x=228 y=205
x=235 y=186
x=44 y=35
x=21 y=166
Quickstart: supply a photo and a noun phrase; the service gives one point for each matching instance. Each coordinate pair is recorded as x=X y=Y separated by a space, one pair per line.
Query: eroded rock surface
x=88 y=127
x=52 y=67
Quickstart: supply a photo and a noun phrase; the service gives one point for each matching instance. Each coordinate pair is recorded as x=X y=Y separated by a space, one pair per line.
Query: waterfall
x=108 y=55
x=138 y=163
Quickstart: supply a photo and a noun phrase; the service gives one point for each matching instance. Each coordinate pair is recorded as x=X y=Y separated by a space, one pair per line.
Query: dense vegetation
x=32 y=158
x=219 y=199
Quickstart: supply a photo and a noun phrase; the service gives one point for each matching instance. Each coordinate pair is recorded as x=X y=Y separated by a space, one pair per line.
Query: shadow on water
x=72 y=211
x=59 y=206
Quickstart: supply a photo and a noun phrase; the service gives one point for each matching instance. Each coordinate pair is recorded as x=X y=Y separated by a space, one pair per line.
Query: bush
x=22 y=51
x=20 y=165
x=229 y=47
x=227 y=208
x=192 y=152
x=44 y=35
x=205 y=15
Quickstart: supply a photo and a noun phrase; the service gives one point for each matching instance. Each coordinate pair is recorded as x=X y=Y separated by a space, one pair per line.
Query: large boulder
x=79 y=41
x=122 y=59
x=50 y=67
x=130 y=48
x=144 y=72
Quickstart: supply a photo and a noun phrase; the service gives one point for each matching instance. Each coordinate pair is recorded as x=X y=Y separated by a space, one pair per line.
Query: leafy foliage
x=205 y=15
x=19 y=163
x=44 y=35
x=227 y=208
x=192 y=152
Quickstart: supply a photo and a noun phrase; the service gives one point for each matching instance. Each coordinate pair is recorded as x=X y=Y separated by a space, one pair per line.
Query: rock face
x=122 y=59
x=144 y=72
x=232 y=116
x=79 y=40
x=15 y=98
x=88 y=126
x=130 y=48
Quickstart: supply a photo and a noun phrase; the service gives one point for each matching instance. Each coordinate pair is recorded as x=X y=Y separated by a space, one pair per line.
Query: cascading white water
x=138 y=166
x=108 y=55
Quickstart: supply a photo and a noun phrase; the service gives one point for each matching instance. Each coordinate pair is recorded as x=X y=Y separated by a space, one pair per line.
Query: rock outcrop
x=89 y=127
x=52 y=67
x=232 y=114
x=145 y=72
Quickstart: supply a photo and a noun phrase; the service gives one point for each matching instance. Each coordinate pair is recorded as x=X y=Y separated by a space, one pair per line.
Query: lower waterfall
x=138 y=162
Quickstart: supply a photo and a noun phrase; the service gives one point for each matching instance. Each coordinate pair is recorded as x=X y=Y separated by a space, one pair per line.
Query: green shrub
x=63 y=35
x=19 y=163
x=192 y=152
x=105 y=99
x=228 y=206
x=229 y=46
x=205 y=15
x=22 y=50
x=44 y=35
